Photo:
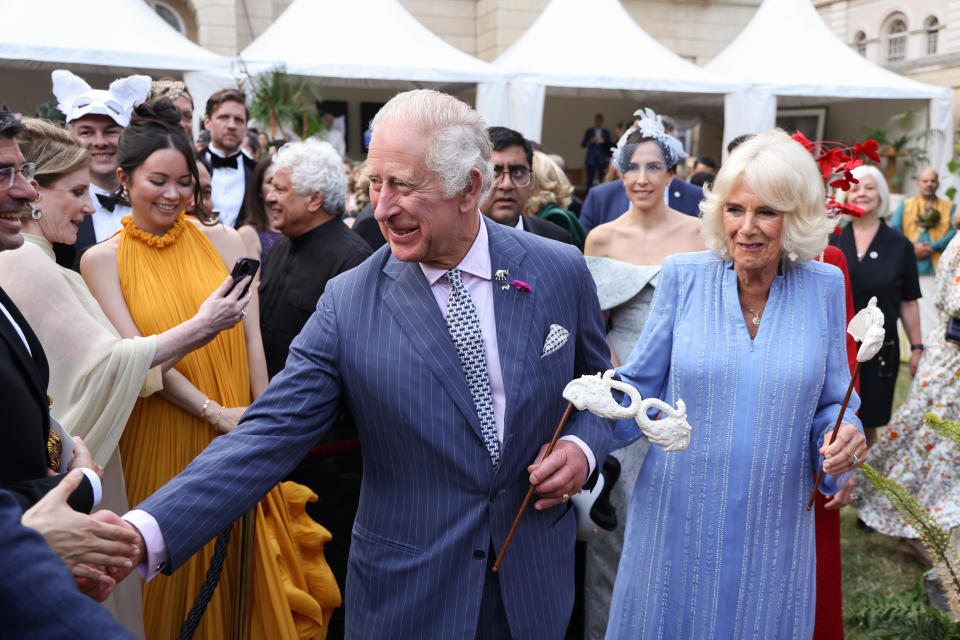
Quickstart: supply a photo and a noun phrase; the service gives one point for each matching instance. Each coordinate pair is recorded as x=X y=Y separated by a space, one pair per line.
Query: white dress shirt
x=106 y=222
x=229 y=187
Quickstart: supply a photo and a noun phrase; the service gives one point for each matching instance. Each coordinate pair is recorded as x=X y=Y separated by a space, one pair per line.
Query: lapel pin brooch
x=501 y=274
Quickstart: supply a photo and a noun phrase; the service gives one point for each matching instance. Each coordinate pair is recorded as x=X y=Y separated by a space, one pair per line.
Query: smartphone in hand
x=243 y=268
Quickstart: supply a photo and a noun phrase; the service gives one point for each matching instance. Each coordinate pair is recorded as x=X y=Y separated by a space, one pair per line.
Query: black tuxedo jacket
x=546 y=229
x=25 y=421
x=248 y=167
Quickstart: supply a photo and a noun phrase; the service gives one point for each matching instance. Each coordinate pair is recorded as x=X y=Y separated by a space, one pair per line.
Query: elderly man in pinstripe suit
x=451 y=348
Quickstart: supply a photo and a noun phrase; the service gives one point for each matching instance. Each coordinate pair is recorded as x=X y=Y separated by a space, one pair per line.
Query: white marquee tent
x=787 y=51
x=590 y=48
x=362 y=43
x=118 y=38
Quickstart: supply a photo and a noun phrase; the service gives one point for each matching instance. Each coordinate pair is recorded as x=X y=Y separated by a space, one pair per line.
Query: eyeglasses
x=9 y=174
x=519 y=176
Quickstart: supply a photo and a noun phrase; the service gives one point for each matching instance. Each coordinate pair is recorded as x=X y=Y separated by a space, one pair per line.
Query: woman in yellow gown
x=152 y=275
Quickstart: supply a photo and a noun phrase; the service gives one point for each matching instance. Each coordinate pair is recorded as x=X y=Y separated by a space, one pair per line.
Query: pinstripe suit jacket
x=430 y=502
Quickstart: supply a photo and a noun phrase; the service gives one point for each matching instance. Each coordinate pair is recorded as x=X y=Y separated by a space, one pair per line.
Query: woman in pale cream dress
x=95 y=376
x=624 y=257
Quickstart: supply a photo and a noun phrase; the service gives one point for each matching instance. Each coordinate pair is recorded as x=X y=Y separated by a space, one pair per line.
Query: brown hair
x=54 y=150
x=227 y=95
x=254 y=207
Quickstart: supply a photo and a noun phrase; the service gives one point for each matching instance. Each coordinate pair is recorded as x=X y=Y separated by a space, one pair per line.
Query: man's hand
x=85 y=544
x=922 y=250
x=563 y=472
x=112 y=519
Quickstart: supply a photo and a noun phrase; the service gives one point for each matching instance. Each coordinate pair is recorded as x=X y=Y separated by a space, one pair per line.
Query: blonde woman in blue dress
x=624 y=257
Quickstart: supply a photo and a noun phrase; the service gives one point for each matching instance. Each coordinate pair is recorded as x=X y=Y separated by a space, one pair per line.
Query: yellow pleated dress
x=164 y=280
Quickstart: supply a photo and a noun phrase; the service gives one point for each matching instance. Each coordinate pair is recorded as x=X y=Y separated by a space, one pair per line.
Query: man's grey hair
x=10 y=125
x=315 y=166
x=457 y=141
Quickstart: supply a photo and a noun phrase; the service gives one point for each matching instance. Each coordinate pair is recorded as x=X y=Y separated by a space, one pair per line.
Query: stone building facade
x=694 y=29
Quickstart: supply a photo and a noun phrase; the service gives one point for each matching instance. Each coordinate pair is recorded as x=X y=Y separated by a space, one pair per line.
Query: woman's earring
x=35 y=213
x=124 y=194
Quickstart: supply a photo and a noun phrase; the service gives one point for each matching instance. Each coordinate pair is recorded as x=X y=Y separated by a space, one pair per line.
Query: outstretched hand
x=561 y=473
x=225 y=307
x=88 y=545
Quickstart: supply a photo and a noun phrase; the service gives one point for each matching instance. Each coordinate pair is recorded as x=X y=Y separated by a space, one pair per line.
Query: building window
x=860 y=43
x=897 y=41
x=932 y=29
x=169 y=15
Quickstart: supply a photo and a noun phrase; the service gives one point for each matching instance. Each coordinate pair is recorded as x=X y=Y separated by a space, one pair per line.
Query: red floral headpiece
x=836 y=161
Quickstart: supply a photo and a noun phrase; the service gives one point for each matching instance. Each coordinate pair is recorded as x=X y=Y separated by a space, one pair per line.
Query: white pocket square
x=556 y=338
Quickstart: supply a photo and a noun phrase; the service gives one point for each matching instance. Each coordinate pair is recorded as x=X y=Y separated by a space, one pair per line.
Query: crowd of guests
x=358 y=423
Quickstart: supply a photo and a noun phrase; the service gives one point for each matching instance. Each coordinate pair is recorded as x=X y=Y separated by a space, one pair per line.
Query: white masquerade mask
x=76 y=98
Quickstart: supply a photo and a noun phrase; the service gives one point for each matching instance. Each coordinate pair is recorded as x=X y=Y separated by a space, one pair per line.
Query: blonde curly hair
x=549 y=184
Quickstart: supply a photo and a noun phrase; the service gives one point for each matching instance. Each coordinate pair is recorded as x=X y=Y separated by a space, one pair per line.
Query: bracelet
x=916 y=347
x=203 y=410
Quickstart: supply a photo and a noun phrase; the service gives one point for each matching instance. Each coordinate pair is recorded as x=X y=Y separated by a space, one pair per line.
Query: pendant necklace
x=756 y=314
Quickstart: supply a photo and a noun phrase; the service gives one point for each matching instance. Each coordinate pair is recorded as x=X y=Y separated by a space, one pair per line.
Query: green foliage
x=901 y=617
x=281 y=101
x=946 y=428
x=900 y=134
x=48 y=110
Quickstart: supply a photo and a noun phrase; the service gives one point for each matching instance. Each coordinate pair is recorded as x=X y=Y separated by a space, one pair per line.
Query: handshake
x=99 y=549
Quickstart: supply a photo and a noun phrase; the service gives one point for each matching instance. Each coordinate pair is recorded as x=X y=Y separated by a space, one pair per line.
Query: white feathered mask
x=76 y=98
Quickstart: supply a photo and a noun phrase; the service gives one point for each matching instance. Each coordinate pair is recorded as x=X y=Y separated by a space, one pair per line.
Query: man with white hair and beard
x=451 y=347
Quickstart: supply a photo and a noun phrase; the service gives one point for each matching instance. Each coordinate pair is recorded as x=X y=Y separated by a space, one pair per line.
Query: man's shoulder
x=545 y=229
x=605 y=190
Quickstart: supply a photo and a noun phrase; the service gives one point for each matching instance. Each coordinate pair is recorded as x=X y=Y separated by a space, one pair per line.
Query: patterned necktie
x=464 y=326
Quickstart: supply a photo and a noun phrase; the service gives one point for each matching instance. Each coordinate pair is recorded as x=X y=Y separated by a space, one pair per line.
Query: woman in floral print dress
x=908 y=451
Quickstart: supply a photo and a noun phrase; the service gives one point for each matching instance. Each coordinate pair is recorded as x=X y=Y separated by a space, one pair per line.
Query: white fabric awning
x=589 y=48
x=787 y=50
x=108 y=36
x=367 y=43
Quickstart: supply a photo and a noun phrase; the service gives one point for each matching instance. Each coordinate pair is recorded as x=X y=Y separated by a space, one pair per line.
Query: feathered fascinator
x=76 y=98
x=651 y=126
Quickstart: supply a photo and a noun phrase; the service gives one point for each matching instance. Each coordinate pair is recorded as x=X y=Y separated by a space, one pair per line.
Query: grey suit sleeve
x=237 y=469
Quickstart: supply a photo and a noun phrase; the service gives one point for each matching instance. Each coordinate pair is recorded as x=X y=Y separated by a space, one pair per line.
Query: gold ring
x=565 y=497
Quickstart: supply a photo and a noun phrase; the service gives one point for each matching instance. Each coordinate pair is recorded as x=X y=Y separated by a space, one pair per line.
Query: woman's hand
x=847 y=452
x=843 y=497
x=224 y=307
x=914 y=361
x=228 y=420
x=82 y=459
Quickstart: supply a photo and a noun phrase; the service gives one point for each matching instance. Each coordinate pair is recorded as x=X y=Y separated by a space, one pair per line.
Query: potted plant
x=901 y=140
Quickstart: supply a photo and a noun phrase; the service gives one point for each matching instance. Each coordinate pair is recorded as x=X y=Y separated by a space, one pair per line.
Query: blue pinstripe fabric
x=430 y=497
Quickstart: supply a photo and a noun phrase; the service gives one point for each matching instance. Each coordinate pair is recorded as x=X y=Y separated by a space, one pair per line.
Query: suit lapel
x=36 y=366
x=410 y=300
x=513 y=311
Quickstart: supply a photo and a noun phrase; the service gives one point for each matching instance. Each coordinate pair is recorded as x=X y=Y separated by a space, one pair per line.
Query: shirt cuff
x=156 y=547
x=95 y=483
x=591 y=459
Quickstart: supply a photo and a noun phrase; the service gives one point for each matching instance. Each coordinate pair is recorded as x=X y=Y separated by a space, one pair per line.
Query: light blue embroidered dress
x=625 y=291
x=719 y=544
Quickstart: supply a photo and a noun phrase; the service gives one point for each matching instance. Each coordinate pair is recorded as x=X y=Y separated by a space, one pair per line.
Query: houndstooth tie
x=464 y=326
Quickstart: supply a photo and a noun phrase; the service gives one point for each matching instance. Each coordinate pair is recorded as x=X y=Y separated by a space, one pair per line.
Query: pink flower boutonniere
x=521 y=285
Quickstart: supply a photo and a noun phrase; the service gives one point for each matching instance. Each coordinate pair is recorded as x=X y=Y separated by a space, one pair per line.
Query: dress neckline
x=131 y=230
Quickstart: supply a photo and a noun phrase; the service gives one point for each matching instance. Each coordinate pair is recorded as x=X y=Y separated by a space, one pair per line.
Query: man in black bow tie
x=230 y=170
x=97 y=118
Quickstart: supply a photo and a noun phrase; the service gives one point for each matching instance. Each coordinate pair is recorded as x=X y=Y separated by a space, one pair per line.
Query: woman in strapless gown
x=624 y=257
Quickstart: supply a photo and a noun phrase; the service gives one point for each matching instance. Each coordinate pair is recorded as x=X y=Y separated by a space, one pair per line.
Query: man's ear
x=470 y=195
x=316 y=201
